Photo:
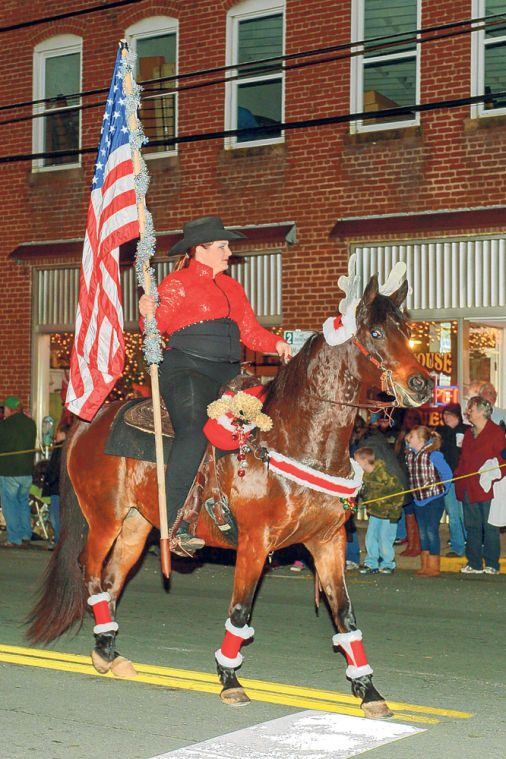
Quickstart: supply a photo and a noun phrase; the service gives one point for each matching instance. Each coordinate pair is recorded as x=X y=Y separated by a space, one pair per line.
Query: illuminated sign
x=445 y=395
x=437 y=362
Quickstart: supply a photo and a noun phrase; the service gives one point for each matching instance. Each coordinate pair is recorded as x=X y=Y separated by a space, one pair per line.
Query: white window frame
x=478 y=46
x=62 y=44
x=246 y=10
x=357 y=73
x=154 y=26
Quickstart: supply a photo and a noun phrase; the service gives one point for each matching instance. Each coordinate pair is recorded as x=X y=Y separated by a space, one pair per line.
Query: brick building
x=422 y=185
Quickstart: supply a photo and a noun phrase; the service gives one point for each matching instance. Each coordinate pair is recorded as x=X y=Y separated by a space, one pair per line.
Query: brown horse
x=312 y=402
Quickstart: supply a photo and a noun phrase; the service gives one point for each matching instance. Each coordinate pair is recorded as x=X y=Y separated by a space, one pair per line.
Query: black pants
x=188 y=385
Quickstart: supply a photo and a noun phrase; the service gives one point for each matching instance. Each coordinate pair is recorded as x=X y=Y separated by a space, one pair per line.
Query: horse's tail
x=62 y=599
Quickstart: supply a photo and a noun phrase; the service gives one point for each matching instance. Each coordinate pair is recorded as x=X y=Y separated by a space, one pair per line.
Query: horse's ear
x=399 y=296
x=370 y=291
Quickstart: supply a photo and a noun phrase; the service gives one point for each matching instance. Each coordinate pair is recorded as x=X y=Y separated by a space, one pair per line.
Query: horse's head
x=382 y=336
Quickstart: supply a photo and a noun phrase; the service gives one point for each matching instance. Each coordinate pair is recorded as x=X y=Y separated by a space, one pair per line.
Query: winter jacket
x=382 y=482
x=490 y=443
x=427 y=467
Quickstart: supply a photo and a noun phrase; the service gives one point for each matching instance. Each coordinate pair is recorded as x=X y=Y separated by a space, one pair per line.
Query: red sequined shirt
x=192 y=295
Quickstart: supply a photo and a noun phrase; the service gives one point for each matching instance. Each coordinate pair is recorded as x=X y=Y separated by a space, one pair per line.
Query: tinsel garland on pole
x=146 y=279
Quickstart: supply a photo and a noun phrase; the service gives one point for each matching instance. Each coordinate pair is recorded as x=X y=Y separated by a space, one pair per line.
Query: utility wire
x=70 y=14
x=481 y=23
x=307 y=123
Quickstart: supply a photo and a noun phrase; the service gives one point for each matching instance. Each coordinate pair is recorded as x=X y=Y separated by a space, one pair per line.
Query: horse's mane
x=291 y=378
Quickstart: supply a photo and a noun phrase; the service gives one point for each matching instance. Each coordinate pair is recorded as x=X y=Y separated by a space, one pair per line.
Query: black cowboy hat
x=201 y=230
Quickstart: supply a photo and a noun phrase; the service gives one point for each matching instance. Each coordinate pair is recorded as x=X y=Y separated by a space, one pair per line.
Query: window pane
x=259 y=104
x=156 y=58
x=384 y=17
x=495 y=74
x=61 y=129
x=389 y=85
x=260 y=38
x=493 y=7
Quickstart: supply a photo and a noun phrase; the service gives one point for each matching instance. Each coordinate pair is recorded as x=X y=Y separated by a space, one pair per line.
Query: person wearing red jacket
x=206 y=314
x=484 y=440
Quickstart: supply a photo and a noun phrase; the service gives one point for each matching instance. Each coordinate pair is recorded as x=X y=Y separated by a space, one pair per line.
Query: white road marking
x=305 y=735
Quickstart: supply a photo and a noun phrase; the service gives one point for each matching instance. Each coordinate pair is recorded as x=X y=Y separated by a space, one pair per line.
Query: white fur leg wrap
x=100 y=605
x=351 y=643
x=228 y=655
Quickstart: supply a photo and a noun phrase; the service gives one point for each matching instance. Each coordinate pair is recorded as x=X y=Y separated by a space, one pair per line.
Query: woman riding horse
x=206 y=313
x=298 y=491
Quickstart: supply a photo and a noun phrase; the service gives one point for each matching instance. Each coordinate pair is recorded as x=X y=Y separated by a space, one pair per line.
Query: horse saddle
x=141 y=417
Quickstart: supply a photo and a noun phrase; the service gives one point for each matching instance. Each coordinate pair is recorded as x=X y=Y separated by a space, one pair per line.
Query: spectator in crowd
x=427 y=469
x=488 y=391
x=51 y=485
x=484 y=440
x=17 y=443
x=411 y=419
x=452 y=434
x=383 y=512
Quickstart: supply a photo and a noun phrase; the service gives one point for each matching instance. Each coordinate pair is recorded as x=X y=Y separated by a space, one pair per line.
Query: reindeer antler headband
x=338 y=329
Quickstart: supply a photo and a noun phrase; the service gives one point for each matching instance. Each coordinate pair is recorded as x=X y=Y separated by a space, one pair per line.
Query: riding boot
x=433 y=566
x=413 y=548
x=422 y=572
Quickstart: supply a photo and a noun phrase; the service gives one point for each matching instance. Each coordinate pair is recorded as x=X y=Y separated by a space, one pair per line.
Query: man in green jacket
x=17 y=433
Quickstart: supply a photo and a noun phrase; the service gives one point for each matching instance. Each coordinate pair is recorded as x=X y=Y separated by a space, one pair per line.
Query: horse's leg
x=126 y=551
x=248 y=568
x=101 y=537
x=329 y=562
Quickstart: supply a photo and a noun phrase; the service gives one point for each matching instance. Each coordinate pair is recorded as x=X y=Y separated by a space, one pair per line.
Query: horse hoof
x=234 y=697
x=121 y=667
x=376 y=710
x=101 y=665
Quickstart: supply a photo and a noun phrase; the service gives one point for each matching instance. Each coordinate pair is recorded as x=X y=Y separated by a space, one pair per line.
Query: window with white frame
x=385 y=73
x=255 y=92
x=56 y=88
x=155 y=43
x=489 y=57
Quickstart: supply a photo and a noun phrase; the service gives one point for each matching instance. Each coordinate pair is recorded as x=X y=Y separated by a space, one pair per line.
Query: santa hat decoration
x=339 y=329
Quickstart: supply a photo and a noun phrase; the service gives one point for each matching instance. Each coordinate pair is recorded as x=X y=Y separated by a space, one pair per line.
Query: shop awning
x=275 y=234
x=430 y=221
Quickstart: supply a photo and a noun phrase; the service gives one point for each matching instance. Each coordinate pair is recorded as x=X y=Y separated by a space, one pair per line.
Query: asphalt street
x=436 y=646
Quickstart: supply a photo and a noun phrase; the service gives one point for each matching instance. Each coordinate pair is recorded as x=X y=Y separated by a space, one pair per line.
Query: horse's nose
x=421 y=384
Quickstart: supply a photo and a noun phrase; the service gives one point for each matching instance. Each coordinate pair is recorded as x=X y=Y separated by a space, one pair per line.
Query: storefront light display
x=135 y=377
x=435 y=346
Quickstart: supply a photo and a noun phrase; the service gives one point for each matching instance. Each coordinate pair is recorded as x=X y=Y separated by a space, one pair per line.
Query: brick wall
x=315 y=177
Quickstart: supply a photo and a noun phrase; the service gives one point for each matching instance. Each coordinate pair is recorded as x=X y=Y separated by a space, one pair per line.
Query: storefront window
x=484 y=351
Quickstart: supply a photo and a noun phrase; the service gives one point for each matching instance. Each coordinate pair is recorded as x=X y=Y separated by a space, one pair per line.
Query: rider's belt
x=214 y=340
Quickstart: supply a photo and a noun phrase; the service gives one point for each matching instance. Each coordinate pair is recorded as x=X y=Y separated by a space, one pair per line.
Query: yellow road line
x=258 y=690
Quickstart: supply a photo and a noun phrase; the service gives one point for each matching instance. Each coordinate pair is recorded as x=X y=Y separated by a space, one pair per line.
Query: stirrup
x=185 y=545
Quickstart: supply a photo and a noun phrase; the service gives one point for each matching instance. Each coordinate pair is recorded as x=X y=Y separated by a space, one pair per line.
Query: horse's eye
x=377 y=334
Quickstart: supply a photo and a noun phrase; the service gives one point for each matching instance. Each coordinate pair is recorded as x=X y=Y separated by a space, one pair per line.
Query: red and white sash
x=315 y=480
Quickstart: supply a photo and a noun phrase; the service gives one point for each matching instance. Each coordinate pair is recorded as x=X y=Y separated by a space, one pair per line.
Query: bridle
x=387 y=386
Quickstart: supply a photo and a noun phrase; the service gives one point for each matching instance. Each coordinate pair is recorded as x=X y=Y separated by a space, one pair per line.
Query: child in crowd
x=383 y=514
x=427 y=469
x=52 y=482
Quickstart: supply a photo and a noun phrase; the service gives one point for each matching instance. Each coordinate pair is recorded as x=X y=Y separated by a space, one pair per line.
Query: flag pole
x=133 y=126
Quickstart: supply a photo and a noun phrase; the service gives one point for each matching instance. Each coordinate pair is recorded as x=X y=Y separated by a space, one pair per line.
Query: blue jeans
x=401 y=533
x=14 y=493
x=483 y=539
x=379 y=543
x=428 y=518
x=54 y=515
x=456 y=516
x=353 y=549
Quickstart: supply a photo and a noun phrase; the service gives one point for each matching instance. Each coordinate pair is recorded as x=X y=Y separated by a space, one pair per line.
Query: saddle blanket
x=132 y=442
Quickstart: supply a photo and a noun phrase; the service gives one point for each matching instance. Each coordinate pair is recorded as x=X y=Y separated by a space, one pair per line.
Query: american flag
x=98 y=353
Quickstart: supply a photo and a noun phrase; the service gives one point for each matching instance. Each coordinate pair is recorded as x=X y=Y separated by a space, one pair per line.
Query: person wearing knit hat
x=17 y=443
x=452 y=433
